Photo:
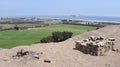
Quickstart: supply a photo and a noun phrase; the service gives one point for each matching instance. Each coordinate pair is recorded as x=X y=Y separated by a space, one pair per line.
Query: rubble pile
x=96 y=46
x=25 y=54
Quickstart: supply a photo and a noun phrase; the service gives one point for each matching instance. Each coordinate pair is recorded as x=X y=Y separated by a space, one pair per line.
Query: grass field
x=12 y=38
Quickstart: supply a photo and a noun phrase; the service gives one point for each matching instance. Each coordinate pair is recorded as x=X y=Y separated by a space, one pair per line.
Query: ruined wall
x=96 y=46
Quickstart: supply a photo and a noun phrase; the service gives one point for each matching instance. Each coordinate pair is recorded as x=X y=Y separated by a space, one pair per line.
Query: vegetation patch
x=57 y=37
x=12 y=38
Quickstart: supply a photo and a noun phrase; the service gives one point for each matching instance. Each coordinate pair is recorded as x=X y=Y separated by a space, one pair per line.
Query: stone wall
x=96 y=46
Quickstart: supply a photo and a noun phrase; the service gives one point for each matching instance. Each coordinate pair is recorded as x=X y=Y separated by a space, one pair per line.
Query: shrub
x=57 y=37
x=16 y=28
x=66 y=35
x=47 y=39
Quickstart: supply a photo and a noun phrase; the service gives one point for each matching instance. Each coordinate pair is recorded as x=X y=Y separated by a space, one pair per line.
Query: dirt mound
x=63 y=54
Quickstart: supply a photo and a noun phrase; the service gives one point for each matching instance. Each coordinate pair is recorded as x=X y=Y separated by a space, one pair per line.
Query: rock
x=47 y=61
x=5 y=59
x=36 y=56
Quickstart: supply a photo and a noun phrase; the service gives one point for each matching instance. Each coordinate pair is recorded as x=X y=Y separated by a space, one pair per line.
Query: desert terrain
x=63 y=54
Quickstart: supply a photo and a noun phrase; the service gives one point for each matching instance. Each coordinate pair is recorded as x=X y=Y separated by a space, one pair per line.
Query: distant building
x=96 y=46
x=75 y=15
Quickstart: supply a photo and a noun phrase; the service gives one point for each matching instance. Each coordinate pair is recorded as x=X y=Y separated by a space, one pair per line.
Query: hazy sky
x=59 y=7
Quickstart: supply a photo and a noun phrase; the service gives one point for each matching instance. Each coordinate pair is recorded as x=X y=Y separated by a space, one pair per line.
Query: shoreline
x=82 y=20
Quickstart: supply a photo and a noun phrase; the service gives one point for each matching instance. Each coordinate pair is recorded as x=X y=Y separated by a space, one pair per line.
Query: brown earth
x=63 y=54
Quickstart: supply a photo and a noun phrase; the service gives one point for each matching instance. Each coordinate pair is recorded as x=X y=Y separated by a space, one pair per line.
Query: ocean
x=92 y=18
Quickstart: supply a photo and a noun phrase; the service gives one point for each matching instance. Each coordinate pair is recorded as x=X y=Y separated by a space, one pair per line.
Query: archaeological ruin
x=96 y=46
x=27 y=54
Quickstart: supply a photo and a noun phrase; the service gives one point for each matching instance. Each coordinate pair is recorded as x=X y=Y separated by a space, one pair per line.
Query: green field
x=12 y=38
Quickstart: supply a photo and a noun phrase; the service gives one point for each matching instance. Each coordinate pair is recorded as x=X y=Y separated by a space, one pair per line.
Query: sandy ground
x=63 y=54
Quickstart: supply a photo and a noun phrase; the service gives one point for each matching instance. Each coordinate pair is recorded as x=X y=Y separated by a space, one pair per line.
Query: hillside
x=63 y=54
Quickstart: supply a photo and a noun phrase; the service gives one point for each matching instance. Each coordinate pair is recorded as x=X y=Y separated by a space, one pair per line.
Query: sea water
x=94 y=18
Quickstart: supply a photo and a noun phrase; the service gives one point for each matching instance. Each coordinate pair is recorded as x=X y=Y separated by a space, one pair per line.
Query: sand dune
x=63 y=54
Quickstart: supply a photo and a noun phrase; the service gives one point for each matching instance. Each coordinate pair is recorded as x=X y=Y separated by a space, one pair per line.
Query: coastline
x=83 y=20
x=80 y=18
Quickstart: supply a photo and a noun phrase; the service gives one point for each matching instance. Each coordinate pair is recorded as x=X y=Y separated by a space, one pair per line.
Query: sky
x=59 y=7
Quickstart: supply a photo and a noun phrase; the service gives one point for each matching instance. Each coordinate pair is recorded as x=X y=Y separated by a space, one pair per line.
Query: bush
x=57 y=37
x=66 y=35
x=16 y=28
x=47 y=39
x=61 y=36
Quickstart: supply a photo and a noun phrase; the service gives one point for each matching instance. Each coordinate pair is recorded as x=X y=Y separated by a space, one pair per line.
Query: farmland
x=12 y=38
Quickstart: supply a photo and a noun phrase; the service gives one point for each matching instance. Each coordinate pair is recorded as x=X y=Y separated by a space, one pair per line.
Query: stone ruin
x=29 y=55
x=96 y=46
x=25 y=54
